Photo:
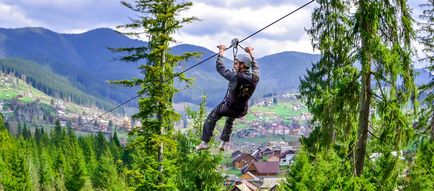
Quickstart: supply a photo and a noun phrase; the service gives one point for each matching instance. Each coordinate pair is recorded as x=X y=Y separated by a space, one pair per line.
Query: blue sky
x=220 y=20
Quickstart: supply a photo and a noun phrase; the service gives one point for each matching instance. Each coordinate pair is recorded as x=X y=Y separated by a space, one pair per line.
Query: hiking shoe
x=202 y=146
x=222 y=145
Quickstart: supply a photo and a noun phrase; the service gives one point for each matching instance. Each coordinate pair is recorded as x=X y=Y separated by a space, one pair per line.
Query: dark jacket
x=241 y=86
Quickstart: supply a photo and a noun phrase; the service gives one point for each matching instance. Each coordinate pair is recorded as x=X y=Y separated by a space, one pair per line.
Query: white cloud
x=12 y=17
x=221 y=20
x=222 y=24
x=60 y=4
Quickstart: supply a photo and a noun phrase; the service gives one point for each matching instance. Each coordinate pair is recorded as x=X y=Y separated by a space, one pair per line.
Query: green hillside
x=43 y=79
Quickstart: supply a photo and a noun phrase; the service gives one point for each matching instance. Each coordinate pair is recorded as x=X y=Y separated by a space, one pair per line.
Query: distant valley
x=84 y=60
x=86 y=65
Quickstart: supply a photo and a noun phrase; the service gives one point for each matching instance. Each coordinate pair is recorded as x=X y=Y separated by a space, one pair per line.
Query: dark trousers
x=217 y=113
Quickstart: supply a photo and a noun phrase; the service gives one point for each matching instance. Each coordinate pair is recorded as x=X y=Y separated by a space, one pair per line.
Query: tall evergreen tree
x=106 y=175
x=158 y=20
x=75 y=173
x=422 y=168
x=330 y=89
x=101 y=144
x=46 y=173
x=384 y=30
x=197 y=171
x=17 y=176
x=425 y=37
x=342 y=97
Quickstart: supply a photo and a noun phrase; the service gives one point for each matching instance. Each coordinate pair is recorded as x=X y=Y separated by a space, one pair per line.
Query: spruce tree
x=330 y=89
x=106 y=176
x=425 y=37
x=158 y=19
x=46 y=173
x=348 y=102
x=421 y=170
x=197 y=171
x=385 y=33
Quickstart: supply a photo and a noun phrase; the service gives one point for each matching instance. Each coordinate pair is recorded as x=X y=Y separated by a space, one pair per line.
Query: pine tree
x=330 y=88
x=106 y=175
x=88 y=148
x=422 y=169
x=75 y=172
x=197 y=171
x=342 y=97
x=17 y=176
x=46 y=173
x=158 y=20
x=385 y=31
x=100 y=144
x=425 y=37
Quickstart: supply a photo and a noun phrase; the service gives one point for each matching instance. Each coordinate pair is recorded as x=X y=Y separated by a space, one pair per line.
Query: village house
x=270 y=184
x=250 y=177
x=244 y=185
x=236 y=153
x=287 y=157
x=242 y=160
x=263 y=169
x=274 y=158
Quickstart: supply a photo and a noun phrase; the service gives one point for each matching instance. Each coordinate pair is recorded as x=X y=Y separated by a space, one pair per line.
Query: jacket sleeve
x=255 y=69
x=227 y=74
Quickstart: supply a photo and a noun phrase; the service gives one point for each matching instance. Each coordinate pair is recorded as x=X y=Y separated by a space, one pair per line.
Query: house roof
x=254 y=178
x=245 y=168
x=249 y=185
x=283 y=155
x=240 y=157
x=242 y=187
x=236 y=153
x=271 y=182
x=266 y=167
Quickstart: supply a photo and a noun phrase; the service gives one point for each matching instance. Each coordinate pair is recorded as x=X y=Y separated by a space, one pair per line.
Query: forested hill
x=42 y=78
x=86 y=62
x=83 y=59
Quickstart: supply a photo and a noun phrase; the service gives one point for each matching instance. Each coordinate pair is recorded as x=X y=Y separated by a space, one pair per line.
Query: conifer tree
x=75 y=173
x=17 y=176
x=87 y=145
x=197 y=171
x=100 y=144
x=422 y=168
x=385 y=32
x=158 y=20
x=330 y=88
x=346 y=102
x=46 y=173
x=425 y=37
x=106 y=175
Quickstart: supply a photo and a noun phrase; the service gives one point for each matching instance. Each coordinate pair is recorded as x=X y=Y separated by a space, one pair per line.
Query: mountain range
x=85 y=60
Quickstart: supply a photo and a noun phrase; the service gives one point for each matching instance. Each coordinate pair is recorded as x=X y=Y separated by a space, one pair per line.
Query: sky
x=220 y=21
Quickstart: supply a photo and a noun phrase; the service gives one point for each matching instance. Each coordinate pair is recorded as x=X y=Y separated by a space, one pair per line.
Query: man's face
x=237 y=65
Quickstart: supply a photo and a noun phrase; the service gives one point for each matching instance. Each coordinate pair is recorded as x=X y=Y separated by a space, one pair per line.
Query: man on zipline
x=242 y=84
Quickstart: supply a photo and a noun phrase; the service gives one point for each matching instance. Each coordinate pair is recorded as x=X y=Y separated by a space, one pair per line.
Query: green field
x=234 y=171
x=282 y=110
x=9 y=93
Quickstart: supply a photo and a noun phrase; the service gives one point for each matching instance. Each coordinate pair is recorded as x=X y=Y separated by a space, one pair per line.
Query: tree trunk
x=161 y=150
x=362 y=135
x=365 y=97
x=432 y=126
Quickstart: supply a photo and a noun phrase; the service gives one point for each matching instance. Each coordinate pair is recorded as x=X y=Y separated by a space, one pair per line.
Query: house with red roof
x=263 y=169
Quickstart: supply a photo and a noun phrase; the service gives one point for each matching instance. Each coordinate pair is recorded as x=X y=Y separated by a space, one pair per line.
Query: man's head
x=242 y=62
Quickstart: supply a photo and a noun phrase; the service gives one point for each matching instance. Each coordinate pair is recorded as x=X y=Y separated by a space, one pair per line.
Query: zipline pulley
x=234 y=44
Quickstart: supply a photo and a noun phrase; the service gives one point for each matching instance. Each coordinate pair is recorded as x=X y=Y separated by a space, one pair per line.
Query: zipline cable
x=206 y=59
